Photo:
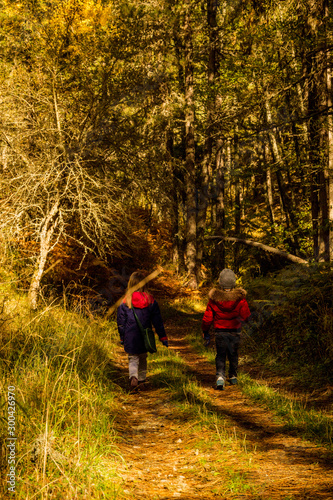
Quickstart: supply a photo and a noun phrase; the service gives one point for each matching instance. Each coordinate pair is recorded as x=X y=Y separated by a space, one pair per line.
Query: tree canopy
x=212 y=116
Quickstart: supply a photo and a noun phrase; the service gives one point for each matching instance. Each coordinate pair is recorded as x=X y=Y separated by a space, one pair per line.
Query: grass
x=67 y=397
x=211 y=434
x=311 y=424
x=61 y=367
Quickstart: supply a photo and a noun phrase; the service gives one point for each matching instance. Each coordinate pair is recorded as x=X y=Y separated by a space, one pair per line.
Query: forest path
x=163 y=459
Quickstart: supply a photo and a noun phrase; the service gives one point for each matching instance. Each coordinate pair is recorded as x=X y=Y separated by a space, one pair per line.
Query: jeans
x=226 y=347
x=137 y=366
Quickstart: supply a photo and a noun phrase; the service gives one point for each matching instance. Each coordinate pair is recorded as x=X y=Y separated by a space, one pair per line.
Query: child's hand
x=206 y=337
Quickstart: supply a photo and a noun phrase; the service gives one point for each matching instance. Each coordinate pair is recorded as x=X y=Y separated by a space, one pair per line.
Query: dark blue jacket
x=148 y=312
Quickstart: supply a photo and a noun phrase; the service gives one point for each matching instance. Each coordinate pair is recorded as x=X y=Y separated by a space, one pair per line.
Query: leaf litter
x=166 y=456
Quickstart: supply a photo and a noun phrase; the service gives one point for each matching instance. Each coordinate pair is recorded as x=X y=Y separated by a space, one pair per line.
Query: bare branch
x=266 y=248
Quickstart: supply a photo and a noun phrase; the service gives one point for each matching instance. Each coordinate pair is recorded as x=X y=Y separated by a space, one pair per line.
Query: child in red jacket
x=226 y=309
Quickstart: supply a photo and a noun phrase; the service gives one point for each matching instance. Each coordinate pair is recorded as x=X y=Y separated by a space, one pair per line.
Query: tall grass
x=309 y=423
x=292 y=322
x=61 y=367
x=67 y=396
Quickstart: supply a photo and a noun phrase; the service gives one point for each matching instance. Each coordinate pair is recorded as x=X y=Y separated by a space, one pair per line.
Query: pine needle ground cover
x=285 y=359
x=82 y=434
x=72 y=439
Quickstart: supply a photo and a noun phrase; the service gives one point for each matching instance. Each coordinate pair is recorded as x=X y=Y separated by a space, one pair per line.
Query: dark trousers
x=226 y=347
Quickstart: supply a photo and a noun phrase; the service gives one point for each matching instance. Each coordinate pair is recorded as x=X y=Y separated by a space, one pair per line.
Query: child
x=148 y=313
x=226 y=308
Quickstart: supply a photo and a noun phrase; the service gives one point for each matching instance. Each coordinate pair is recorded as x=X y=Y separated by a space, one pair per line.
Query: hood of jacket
x=141 y=299
x=227 y=300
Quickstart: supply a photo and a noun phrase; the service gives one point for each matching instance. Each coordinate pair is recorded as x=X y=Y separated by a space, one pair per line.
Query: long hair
x=134 y=279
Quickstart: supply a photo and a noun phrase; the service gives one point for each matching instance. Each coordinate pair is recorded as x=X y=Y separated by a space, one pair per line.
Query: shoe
x=233 y=381
x=134 y=382
x=143 y=385
x=220 y=383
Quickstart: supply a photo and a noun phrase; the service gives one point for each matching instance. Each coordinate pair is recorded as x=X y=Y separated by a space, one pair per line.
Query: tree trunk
x=329 y=174
x=175 y=204
x=219 y=251
x=269 y=187
x=191 y=206
x=237 y=199
x=210 y=146
x=202 y=194
x=316 y=18
x=286 y=205
x=46 y=235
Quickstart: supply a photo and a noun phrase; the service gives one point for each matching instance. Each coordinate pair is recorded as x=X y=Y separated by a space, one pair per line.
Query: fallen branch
x=266 y=248
x=150 y=277
x=52 y=266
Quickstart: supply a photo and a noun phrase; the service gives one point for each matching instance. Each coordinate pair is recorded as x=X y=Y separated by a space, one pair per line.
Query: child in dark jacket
x=226 y=309
x=148 y=313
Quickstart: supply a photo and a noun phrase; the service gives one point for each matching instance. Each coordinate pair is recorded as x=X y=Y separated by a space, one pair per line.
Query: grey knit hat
x=227 y=279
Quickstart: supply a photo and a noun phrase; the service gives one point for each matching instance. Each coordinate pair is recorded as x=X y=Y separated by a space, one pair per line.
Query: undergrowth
x=59 y=367
x=292 y=323
x=68 y=389
x=309 y=423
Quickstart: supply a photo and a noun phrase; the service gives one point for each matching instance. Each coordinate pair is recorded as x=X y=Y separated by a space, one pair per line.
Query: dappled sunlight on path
x=163 y=460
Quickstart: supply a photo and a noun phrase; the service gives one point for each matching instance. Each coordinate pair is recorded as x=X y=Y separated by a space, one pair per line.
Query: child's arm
x=244 y=312
x=121 y=321
x=207 y=321
x=157 y=321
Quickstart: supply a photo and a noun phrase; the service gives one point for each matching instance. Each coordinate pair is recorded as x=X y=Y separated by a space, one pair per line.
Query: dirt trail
x=162 y=462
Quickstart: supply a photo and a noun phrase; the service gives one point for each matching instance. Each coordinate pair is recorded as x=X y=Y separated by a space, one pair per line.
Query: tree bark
x=286 y=204
x=191 y=206
x=330 y=158
x=175 y=256
x=219 y=251
x=269 y=187
x=237 y=198
x=208 y=163
x=316 y=18
x=46 y=235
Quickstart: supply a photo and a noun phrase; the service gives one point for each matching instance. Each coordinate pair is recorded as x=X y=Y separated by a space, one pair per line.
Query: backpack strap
x=138 y=321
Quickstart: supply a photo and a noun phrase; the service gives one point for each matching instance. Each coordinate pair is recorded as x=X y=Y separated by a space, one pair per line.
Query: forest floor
x=167 y=455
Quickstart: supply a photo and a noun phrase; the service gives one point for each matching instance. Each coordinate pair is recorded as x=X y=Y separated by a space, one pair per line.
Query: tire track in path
x=161 y=460
x=288 y=464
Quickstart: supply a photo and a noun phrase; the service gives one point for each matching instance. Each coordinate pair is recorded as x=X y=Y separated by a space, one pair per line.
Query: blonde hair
x=134 y=280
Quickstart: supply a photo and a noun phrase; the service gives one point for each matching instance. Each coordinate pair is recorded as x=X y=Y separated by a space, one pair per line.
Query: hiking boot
x=233 y=381
x=134 y=382
x=220 y=383
x=143 y=385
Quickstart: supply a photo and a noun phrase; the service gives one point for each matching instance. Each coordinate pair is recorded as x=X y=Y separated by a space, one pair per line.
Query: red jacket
x=226 y=310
